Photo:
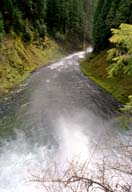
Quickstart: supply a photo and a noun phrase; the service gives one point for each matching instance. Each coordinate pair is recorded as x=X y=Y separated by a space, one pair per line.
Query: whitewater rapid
x=56 y=115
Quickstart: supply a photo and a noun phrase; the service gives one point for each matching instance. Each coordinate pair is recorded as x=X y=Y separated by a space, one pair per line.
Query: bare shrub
x=111 y=173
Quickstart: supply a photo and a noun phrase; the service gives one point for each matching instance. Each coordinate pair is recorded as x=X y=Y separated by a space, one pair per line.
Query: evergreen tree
x=121 y=55
x=100 y=29
x=68 y=19
x=109 y=13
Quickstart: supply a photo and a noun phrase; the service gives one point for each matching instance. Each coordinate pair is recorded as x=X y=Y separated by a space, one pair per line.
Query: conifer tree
x=121 y=55
x=69 y=19
x=109 y=13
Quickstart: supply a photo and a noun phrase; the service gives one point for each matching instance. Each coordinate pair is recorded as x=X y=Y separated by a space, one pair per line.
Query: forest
x=109 y=14
x=61 y=19
x=111 y=63
x=33 y=33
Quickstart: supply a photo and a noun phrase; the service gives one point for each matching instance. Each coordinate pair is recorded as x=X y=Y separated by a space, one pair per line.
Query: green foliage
x=18 y=23
x=18 y=59
x=72 y=18
x=63 y=19
x=40 y=28
x=109 y=14
x=128 y=106
x=100 y=28
x=121 y=55
x=1 y=26
x=1 y=23
x=127 y=120
x=27 y=34
x=25 y=17
x=59 y=36
x=95 y=67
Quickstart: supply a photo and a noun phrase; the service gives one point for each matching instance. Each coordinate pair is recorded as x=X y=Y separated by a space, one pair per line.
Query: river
x=56 y=114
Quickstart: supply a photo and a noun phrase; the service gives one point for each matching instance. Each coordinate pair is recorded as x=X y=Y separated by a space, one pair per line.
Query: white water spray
x=60 y=120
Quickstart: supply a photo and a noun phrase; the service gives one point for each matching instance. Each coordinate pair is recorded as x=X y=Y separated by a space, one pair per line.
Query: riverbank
x=94 y=66
x=19 y=59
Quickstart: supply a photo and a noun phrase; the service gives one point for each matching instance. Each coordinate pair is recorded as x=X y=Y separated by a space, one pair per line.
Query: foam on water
x=61 y=126
x=77 y=55
x=19 y=159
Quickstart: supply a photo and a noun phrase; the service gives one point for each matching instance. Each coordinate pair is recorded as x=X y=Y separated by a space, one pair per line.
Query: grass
x=18 y=59
x=95 y=67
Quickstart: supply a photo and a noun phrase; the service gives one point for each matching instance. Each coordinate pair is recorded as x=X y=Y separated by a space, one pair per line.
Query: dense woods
x=29 y=30
x=60 y=18
x=109 y=14
x=25 y=18
x=112 y=14
x=74 y=20
x=111 y=63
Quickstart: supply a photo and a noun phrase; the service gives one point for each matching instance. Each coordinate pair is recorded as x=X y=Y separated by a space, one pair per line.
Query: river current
x=56 y=114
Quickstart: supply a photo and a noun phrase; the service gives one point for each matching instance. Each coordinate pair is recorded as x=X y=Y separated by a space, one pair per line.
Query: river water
x=56 y=114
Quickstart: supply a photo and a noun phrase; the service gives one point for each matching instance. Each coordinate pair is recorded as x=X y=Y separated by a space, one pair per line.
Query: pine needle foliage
x=128 y=106
x=109 y=14
x=120 y=56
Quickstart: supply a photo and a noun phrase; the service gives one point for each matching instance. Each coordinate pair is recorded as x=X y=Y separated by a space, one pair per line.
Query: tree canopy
x=62 y=19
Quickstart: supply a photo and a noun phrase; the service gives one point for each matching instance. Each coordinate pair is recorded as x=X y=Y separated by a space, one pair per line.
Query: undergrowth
x=19 y=59
x=95 y=67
